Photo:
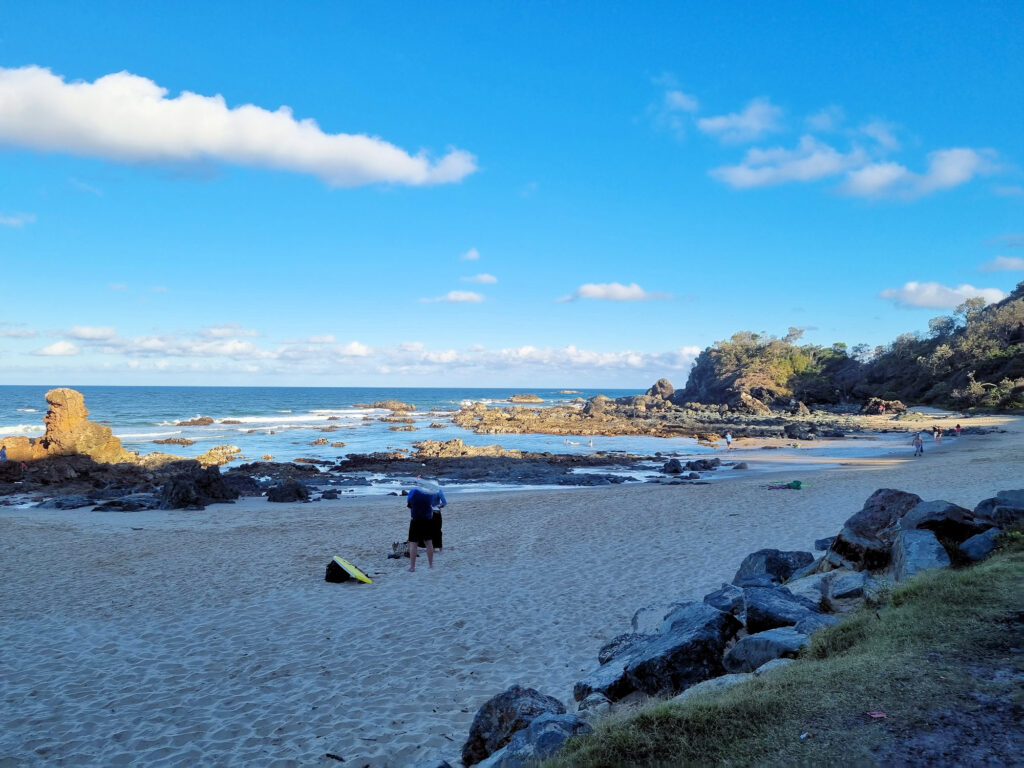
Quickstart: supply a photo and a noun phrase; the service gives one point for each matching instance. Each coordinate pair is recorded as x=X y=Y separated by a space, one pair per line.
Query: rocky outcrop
x=526 y=397
x=69 y=431
x=198 y=421
x=448 y=449
x=501 y=716
x=868 y=535
x=288 y=491
x=662 y=388
x=195 y=487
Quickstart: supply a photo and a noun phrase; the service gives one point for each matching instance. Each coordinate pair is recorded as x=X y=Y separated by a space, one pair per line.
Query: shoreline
x=180 y=637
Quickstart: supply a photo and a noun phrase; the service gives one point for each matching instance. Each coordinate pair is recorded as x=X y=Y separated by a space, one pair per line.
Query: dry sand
x=210 y=638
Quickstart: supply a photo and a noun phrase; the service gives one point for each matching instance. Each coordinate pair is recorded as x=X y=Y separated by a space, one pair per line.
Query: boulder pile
x=756 y=623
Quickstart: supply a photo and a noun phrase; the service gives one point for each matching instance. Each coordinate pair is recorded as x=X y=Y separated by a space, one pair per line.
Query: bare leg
x=430 y=553
x=412 y=556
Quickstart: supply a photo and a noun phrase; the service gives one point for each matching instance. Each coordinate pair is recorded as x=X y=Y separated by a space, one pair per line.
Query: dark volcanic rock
x=754 y=650
x=199 y=421
x=500 y=717
x=133 y=502
x=777 y=564
x=71 y=501
x=688 y=650
x=728 y=598
x=175 y=441
x=1005 y=510
x=243 y=484
x=944 y=519
x=541 y=739
x=289 y=490
x=195 y=488
x=868 y=535
x=770 y=607
x=672 y=467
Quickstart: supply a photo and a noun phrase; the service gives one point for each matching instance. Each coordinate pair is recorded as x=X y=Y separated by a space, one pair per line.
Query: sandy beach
x=210 y=638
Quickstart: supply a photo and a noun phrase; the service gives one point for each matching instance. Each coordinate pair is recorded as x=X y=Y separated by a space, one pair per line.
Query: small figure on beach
x=728 y=441
x=918 y=445
x=881 y=409
x=958 y=429
x=937 y=433
x=3 y=453
x=424 y=523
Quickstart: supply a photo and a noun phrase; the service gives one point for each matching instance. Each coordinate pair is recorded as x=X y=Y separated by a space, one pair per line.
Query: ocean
x=284 y=422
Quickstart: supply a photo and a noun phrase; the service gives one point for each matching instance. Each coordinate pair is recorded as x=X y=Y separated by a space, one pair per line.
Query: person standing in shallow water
x=918 y=445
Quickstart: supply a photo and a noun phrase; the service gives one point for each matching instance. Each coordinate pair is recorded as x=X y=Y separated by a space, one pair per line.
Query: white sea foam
x=135 y=435
x=21 y=429
x=27 y=410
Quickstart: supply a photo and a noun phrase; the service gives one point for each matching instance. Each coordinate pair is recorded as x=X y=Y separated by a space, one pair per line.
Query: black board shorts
x=421 y=530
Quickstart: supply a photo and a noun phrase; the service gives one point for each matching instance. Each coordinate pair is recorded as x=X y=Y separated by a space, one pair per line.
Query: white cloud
x=458 y=297
x=613 y=292
x=811 y=160
x=57 y=349
x=471 y=255
x=127 y=118
x=16 y=220
x=759 y=117
x=947 y=168
x=325 y=339
x=883 y=133
x=828 y=119
x=483 y=277
x=1004 y=264
x=354 y=349
x=17 y=331
x=677 y=101
x=227 y=330
x=91 y=332
x=938 y=296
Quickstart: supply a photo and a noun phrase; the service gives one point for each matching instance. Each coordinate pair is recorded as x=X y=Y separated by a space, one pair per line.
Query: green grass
x=918 y=652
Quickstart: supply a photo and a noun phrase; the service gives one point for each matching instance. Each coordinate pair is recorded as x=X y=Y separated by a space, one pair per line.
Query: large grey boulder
x=541 y=739
x=773 y=562
x=811 y=624
x=867 y=536
x=688 y=650
x=727 y=598
x=811 y=588
x=1004 y=510
x=619 y=645
x=844 y=585
x=501 y=716
x=754 y=650
x=979 y=547
x=945 y=519
x=916 y=551
x=771 y=607
x=648 y=620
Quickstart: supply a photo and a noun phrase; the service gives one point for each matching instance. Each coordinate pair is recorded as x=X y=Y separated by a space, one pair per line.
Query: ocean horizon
x=286 y=422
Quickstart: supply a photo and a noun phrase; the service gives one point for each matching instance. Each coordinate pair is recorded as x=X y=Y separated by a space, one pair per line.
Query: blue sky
x=504 y=194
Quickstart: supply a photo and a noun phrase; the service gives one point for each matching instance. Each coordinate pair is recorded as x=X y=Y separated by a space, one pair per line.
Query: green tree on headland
x=972 y=358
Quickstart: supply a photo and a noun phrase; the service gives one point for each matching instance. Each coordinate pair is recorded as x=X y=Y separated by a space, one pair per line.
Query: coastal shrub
x=925 y=651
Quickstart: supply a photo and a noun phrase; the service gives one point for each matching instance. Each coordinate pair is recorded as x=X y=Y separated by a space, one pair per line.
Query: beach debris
x=333 y=756
x=877 y=715
x=793 y=485
x=501 y=716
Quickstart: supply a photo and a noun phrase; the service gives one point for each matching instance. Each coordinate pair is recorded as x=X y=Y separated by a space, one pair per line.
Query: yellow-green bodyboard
x=352 y=571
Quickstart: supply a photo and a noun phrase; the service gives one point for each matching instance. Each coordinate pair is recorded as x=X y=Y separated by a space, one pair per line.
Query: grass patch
x=928 y=648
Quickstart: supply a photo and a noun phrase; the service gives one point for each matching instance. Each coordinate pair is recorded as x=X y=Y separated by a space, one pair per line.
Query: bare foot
x=411 y=570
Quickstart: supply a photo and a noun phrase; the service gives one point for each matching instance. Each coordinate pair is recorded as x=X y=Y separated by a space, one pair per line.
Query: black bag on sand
x=335 y=573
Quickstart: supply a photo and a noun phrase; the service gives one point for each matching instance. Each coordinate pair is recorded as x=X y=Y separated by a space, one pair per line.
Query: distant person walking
x=958 y=429
x=728 y=441
x=918 y=445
